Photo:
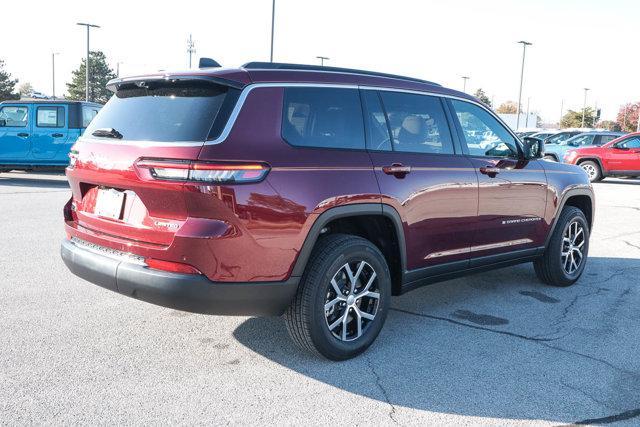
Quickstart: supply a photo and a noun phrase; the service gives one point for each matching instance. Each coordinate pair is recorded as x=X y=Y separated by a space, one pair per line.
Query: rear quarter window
x=323 y=117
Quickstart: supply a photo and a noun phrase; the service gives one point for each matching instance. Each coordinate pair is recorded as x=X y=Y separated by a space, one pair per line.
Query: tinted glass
x=182 y=111
x=584 y=139
x=417 y=122
x=88 y=113
x=14 y=116
x=607 y=138
x=323 y=117
x=376 y=123
x=50 y=117
x=483 y=134
x=633 y=142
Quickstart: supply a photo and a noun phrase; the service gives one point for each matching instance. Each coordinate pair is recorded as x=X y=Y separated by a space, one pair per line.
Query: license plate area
x=109 y=203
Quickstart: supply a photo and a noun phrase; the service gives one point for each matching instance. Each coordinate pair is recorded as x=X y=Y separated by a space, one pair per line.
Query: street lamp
x=464 y=83
x=273 y=21
x=53 y=74
x=322 y=59
x=118 y=68
x=89 y=26
x=527 y=119
x=584 y=105
x=524 y=52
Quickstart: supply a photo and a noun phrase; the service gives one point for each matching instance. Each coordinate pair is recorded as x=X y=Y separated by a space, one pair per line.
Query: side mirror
x=620 y=147
x=3 y=123
x=533 y=148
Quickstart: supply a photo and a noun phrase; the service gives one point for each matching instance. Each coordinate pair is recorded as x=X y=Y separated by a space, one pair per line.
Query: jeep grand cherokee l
x=317 y=193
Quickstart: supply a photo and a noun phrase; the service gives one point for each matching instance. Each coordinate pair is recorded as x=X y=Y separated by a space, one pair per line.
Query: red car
x=620 y=157
x=313 y=192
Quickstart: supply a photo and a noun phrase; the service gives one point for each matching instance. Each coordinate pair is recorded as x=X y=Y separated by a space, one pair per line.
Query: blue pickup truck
x=37 y=134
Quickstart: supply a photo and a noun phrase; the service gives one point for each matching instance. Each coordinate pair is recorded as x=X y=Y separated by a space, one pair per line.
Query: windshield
x=558 y=138
x=584 y=139
x=177 y=112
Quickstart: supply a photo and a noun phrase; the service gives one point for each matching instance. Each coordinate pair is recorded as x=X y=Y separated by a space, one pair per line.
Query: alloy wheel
x=352 y=300
x=573 y=241
x=590 y=170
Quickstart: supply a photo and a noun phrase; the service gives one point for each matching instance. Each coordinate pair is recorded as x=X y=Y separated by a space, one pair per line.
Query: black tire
x=593 y=170
x=306 y=318
x=550 y=268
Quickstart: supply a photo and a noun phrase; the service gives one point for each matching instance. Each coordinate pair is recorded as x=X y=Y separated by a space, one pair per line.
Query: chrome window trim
x=249 y=88
x=457 y=98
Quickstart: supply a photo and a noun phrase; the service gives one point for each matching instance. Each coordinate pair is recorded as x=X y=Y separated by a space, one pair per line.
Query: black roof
x=305 y=67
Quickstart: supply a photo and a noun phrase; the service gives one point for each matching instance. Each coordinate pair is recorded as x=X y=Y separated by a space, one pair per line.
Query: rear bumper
x=187 y=292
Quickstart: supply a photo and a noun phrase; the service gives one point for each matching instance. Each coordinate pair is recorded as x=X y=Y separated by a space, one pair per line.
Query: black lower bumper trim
x=187 y=292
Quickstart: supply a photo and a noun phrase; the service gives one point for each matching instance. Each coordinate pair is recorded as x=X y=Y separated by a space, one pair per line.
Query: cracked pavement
x=496 y=348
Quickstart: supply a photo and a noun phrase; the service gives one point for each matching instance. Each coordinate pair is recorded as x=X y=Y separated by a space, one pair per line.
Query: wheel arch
x=342 y=215
x=581 y=198
x=603 y=171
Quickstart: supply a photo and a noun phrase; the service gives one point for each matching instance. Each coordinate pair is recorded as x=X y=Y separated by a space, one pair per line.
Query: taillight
x=170 y=266
x=185 y=170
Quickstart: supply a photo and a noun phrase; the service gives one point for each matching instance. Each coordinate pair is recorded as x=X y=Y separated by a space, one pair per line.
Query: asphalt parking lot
x=493 y=348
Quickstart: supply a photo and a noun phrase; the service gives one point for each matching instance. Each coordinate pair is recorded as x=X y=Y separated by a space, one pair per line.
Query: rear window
x=176 y=112
x=323 y=117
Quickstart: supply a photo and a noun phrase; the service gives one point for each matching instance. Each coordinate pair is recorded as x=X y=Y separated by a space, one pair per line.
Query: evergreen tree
x=7 y=84
x=99 y=75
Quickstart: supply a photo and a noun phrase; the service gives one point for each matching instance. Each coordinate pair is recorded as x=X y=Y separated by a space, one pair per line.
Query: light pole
x=191 y=48
x=624 y=118
x=561 y=111
x=527 y=122
x=53 y=74
x=322 y=59
x=118 y=68
x=524 y=52
x=273 y=21
x=584 y=105
x=86 y=82
x=464 y=83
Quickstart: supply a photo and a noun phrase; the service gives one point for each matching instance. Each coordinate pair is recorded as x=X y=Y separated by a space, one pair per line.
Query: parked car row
x=599 y=153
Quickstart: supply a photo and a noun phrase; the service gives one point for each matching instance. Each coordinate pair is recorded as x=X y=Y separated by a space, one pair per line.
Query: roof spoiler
x=141 y=81
x=208 y=63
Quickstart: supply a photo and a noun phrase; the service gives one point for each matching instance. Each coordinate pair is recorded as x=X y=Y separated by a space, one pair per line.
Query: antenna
x=191 y=48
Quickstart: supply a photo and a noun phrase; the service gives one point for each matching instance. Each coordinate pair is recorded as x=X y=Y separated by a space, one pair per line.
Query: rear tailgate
x=164 y=120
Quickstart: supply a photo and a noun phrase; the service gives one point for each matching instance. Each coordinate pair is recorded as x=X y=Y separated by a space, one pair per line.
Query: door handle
x=57 y=135
x=397 y=169
x=492 y=172
x=23 y=135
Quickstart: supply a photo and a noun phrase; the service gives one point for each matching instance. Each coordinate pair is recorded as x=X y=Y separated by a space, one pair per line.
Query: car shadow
x=498 y=344
x=48 y=180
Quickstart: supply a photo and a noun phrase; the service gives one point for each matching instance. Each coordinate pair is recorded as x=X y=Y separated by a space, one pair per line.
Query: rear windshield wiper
x=107 y=133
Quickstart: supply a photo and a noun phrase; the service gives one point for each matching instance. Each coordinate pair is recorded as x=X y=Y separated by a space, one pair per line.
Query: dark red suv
x=317 y=193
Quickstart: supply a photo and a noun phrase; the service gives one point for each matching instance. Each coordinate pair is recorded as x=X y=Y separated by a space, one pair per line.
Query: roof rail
x=304 y=67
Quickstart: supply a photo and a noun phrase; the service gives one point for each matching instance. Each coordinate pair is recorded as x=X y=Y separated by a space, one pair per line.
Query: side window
x=323 y=117
x=605 y=138
x=483 y=134
x=88 y=113
x=418 y=123
x=50 y=117
x=14 y=116
x=378 y=137
x=633 y=142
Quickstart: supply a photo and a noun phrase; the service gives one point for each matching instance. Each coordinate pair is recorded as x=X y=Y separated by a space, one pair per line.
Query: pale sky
x=576 y=43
